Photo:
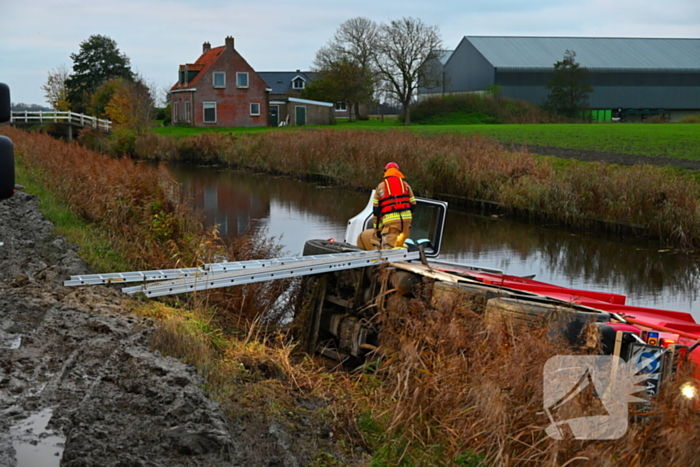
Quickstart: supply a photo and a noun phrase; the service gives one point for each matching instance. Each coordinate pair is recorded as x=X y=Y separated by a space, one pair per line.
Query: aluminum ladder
x=158 y=283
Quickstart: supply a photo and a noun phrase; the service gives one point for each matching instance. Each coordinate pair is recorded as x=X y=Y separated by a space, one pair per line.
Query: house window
x=187 y=111
x=341 y=107
x=298 y=83
x=176 y=116
x=242 y=80
x=219 y=79
x=254 y=108
x=209 y=112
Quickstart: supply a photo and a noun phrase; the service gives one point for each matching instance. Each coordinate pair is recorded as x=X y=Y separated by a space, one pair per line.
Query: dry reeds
x=140 y=209
x=447 y=380
x=660 y=203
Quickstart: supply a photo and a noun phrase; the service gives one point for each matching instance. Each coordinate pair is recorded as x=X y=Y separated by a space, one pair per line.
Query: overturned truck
x=343 y=305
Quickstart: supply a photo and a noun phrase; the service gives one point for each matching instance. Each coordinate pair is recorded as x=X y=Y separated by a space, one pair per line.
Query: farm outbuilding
x=631 y=77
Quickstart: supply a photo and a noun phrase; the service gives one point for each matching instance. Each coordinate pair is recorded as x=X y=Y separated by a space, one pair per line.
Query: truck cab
x=426 y=228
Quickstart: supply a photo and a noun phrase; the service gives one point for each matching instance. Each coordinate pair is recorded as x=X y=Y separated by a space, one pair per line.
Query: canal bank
x=658 y=202
x=295 y=211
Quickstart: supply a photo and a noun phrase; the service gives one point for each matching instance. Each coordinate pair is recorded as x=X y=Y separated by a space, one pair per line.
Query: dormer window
x=298 y=83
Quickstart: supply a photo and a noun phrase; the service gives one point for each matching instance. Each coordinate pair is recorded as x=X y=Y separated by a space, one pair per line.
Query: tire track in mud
x=75 y=359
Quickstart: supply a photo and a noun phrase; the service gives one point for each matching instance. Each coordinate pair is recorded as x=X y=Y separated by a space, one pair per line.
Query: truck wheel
x=568 y=322
x=325 y=247
x=7 y=168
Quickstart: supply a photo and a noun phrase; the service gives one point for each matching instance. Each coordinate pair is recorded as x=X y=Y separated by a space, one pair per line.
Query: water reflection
x=292 y=210
x=297 y=211
x=648 y=276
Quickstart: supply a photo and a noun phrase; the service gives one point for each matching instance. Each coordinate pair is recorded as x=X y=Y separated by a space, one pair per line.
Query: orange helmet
x=391 y=165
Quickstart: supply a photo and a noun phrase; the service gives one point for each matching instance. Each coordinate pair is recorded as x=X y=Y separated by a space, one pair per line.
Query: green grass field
x=681 y=141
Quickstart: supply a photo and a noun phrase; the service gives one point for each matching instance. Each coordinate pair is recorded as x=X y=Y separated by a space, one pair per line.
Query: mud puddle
x=34 y=443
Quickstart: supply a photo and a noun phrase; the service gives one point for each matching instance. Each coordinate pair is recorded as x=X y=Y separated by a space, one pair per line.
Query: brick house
x=220 y=89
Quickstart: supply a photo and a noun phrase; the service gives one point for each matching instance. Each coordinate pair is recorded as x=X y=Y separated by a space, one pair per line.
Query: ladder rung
x=311 y=265
x=204 y=271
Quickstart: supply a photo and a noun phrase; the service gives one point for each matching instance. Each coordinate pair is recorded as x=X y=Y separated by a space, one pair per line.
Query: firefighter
x=369 y=239
x=393 y=206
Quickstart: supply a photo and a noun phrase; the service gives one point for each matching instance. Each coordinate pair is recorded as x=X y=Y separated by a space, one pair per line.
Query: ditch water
x=293 y=212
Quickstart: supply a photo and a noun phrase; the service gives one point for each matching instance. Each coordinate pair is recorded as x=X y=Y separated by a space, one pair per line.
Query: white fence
x=71 y=118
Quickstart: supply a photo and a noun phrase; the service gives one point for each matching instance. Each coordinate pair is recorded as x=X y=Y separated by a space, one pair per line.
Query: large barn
x=635 y=77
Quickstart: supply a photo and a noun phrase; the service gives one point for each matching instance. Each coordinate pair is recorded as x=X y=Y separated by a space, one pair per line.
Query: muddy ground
x=80 y=385
x=74 y=358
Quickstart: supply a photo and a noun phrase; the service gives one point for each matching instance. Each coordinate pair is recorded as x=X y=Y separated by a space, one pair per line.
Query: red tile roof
x=202 y=65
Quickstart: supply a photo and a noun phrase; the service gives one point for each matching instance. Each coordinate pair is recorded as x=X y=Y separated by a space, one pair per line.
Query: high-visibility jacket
x=394 y=199
x=396 y=196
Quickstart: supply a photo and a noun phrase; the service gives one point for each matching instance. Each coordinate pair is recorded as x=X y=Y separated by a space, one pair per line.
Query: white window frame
x=253 y=113
x=213 y=79
x=341 y=106
x=204 y=112
x=176 y=115
x=303 y=83
x=238 y=79
x=187 y=111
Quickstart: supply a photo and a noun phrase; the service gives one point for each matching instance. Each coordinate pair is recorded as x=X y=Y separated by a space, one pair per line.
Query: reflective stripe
x=396 y=215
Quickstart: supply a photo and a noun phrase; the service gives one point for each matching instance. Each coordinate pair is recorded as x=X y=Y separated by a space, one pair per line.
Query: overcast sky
x=273 y=35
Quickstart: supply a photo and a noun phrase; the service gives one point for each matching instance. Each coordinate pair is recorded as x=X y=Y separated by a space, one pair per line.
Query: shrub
x=122 y=142
x=657 y=119
x=690 y=119
x=95 y=140
x=151 y=146
x=475 y=108
x=167 y=115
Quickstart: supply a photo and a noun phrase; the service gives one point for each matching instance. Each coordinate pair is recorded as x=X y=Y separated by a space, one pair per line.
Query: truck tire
x=325 y=247
x=7 y=168
x=524 y=315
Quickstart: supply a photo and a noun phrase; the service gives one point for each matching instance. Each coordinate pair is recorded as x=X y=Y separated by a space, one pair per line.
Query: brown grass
x=141 y=210
x=663 y=203
x=447 y=380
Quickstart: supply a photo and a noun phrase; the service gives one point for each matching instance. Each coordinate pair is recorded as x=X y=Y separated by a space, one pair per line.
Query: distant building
x=220 y=89
x=635 y=78
x=286 y=105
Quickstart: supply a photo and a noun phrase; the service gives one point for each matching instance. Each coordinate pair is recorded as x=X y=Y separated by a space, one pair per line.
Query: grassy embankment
x=679 y=141
x=660 y=202
x=447 y=390
x=130 y=216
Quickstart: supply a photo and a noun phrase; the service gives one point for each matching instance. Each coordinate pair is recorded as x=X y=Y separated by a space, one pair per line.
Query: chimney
x=206 y=47
x=229 y=42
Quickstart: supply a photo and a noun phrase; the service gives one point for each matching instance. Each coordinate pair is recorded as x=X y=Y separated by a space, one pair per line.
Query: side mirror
x=4 y=103
x=7 y=155
x=7 y=168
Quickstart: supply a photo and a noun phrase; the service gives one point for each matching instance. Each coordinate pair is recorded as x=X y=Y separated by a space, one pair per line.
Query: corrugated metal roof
x=445 y=55
x=594 y=53
x=310 y=102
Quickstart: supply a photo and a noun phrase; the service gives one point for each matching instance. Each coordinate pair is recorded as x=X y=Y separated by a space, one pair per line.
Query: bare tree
x=403 y=47
x=353 y=46
x=55 y=89
x=358 y=38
